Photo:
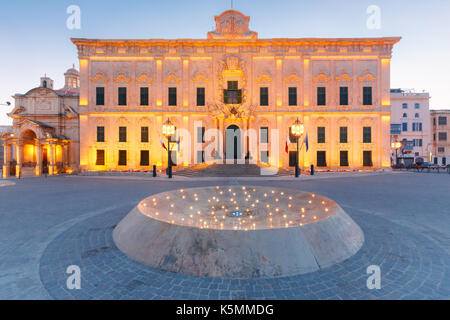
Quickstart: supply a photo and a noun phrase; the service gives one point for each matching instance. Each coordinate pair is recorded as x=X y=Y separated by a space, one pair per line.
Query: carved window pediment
x=172 y=77
x=321 y=77
x=144 y=78
x=100 y=77
x=293 y=76
x=264 y=77
x=200 y=77
x=367 y=76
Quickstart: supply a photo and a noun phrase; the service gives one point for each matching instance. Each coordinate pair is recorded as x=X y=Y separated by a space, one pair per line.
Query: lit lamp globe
x=168 y=128
x=297 y=128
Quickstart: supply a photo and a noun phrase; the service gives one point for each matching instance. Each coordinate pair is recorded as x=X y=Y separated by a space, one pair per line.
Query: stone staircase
x=228 y=170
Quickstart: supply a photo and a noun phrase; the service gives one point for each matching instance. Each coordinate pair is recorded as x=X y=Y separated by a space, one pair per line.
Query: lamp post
x=396 y=145
x=168 y=130
x=297 y=130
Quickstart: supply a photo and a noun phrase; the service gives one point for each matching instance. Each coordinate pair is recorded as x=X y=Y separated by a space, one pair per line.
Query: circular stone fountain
x=238 y=232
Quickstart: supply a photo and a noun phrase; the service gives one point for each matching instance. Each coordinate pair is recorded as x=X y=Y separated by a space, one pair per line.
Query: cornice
x=156 y=47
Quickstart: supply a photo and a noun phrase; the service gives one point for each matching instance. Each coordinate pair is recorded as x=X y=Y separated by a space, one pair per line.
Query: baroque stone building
x=410 y=123
x=45 y=135
x=248 y=90
x=440 y=129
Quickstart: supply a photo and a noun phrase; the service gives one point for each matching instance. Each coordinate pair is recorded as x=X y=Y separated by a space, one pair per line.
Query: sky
x=35 y=40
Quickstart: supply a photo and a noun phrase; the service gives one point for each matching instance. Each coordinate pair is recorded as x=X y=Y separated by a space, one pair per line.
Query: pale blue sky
x=34 y=38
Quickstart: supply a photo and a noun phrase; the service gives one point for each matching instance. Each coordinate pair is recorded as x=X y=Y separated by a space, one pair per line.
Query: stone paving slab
x=46 y=224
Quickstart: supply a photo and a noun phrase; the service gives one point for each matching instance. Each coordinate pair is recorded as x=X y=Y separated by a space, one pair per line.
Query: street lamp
x=396 y=145
x=297 y=130
x=168 y=130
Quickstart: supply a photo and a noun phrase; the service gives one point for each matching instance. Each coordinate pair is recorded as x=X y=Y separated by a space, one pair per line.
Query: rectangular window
x=122 y=157
x=232 y=95
x=292 y=96
x=100 y=161
x=201 y=134
x=420 y=126
x=144 y=96
x=367 y=135
x=441 y=120
x=200 y=96
x=265 y=156
x=292 y=158
x=144 y=134
x=343 y=96
x=145 y=158
x=367 y=96
x=441 y=149
x=200 y=157
x=320 y=134
x=343 y=156
x=442 y=136
x=321 y=96
x=263 y=96
x=172 y=96
x=122 y=96
x=435 y=160
x=122 y=134
x=405 y=126
x=444 y=161
x=100 y=134
x=367 y=159
x=321 y=158
x=434 y=121
x=420 y=142
x=343 y=135
x=100 y=96
x=264 y=135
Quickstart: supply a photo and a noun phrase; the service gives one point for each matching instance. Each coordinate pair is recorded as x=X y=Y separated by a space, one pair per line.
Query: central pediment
x=232 y=24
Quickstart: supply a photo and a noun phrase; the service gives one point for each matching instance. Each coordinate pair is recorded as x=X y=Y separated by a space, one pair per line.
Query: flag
x=162 y=143
x=286 y=148
x=306 y=143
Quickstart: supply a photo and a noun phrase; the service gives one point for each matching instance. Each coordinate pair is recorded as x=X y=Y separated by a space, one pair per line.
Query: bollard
x=312 y=169
x=154 y=171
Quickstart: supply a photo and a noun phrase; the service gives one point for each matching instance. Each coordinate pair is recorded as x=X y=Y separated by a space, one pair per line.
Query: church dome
x=72 y=71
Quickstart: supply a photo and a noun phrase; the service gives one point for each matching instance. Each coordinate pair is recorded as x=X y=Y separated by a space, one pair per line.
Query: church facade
x=45 y=134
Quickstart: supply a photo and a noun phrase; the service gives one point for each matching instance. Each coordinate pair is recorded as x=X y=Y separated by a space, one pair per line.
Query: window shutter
x=239 y=96
x=225 y=96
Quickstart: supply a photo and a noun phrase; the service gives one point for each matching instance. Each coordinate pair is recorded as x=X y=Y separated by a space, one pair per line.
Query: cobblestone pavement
x=49 y=224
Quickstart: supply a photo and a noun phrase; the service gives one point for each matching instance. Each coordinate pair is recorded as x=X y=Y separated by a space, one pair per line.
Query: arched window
x=44 y=83
x=405 y=115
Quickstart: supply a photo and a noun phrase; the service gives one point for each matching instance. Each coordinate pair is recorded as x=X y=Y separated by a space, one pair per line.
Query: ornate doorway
x=233 y=143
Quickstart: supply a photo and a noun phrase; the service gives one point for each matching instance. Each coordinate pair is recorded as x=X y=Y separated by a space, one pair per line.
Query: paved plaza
x=48 y=224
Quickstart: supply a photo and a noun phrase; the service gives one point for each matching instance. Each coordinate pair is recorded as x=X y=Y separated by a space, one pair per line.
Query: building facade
x=3 y=129
x=410 y=123
x=440 y=129
x=234 y=95
x=45 y=134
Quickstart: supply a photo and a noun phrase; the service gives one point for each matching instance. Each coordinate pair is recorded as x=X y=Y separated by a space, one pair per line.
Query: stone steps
x=228 y=170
